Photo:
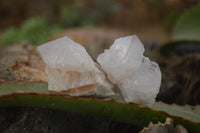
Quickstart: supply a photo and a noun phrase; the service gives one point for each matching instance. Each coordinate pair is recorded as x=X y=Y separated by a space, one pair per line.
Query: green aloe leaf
x=36 y=94
x=188 y=25
x=188 y=112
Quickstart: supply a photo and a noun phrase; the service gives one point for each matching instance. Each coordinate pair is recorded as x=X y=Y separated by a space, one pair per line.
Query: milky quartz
x=71 y=70
x=136 y=76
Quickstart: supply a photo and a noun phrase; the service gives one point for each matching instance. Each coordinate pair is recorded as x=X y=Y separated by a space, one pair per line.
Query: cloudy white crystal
x=69 y=67
x=137 y=77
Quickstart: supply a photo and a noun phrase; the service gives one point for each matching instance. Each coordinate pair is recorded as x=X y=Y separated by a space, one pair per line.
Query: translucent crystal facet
x=71 y=70
x=137 y=77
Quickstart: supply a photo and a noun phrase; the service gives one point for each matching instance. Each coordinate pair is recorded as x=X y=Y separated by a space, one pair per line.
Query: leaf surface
x=36 y=94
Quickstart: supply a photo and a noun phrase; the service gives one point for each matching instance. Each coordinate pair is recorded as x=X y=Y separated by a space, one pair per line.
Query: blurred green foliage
x=75 y=17
x=169 y=20
x=37 y=30
x=69 y=17
x=187 y=26
x=9 y=36
x=34 y=30
x=168 y=11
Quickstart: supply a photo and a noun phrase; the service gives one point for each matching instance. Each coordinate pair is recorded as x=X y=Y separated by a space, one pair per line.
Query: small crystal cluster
x=71 y=70
x=137 y=77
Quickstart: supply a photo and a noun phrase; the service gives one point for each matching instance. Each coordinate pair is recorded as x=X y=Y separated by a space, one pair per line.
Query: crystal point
x=71 y=70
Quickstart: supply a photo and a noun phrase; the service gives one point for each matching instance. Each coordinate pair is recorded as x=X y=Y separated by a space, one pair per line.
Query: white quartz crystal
x=137 y=77
x=71 y=70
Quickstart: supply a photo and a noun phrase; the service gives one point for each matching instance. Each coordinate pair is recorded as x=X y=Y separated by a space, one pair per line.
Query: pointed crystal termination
x=71 y=70
x=137 y=77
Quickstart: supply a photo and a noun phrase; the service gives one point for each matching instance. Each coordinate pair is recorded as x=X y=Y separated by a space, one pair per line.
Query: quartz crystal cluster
x=136 y=76
x=71 y=70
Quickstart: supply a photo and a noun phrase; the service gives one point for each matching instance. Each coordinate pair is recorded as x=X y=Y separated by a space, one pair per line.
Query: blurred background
x=36 y=21
x=169 y=29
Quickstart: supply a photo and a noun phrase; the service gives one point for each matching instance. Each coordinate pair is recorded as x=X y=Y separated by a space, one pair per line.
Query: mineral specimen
x=71 y=70
x=136 y=76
